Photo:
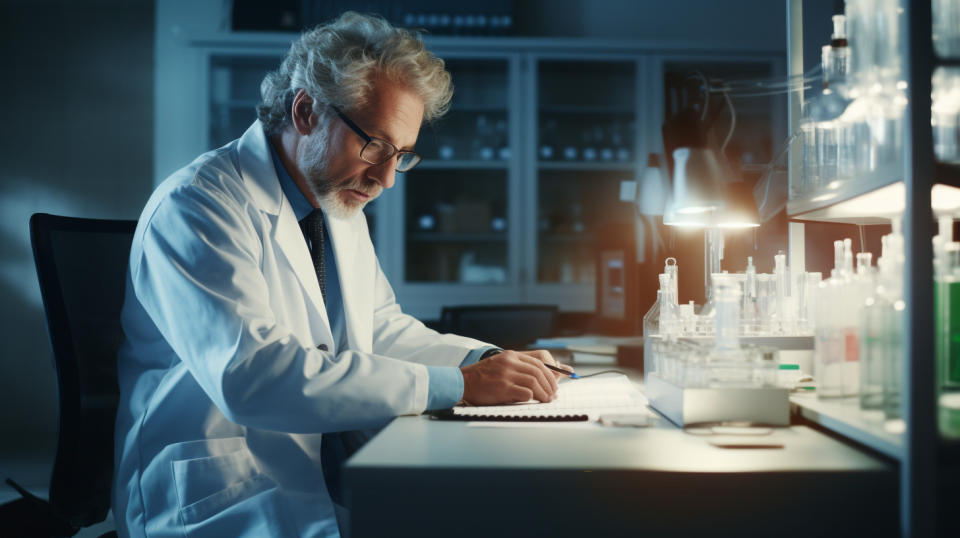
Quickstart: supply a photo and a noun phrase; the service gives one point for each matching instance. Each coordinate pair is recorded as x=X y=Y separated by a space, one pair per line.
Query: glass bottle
x=946 y=303
x=892 y=328
x=872 y=326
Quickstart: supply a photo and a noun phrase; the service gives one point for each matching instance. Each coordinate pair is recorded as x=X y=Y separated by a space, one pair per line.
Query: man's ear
x=301 y=112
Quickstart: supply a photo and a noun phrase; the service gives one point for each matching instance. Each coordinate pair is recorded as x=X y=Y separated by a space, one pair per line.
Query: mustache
x=369 y=188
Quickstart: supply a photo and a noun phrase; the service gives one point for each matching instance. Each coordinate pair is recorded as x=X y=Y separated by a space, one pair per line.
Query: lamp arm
x=733 y=121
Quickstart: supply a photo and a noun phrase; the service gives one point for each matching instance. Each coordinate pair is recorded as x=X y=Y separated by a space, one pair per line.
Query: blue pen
x=573 y=375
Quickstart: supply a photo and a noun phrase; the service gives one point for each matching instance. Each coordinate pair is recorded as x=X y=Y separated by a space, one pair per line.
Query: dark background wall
x=76 y=139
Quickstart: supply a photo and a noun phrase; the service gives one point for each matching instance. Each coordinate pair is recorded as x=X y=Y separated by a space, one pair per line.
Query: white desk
x=421 y=477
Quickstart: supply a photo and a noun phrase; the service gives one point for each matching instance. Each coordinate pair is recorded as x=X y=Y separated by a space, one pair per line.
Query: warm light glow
x=694 y=209
x=833 y=184
x=686 y=224
x=824 y=197
x=737 y=225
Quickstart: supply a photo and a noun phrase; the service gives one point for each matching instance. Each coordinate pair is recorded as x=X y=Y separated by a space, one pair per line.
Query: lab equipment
x=946 y=302
x=853 y=124
x=945 y=114
x=892 y=290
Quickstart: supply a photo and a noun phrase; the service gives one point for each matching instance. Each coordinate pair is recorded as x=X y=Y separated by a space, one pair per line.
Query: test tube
x=727 y=303
x=670 y=267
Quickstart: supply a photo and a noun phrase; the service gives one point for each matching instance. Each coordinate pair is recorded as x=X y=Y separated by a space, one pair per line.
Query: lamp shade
x=697 y=177
x=654 y=188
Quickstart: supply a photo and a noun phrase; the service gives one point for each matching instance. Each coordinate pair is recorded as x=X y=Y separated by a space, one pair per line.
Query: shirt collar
x=301 y=207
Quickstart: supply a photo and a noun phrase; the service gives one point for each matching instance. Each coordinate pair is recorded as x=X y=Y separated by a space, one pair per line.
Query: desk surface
x=418 y=442
x=648 y=473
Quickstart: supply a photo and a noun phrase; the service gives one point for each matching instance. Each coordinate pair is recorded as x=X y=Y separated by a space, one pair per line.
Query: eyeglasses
x=377 y=150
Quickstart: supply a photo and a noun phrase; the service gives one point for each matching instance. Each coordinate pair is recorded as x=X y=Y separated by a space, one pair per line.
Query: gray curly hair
x=336 y=64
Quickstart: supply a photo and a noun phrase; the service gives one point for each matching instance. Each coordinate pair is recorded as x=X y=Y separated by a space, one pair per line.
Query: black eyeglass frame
x=367 y=139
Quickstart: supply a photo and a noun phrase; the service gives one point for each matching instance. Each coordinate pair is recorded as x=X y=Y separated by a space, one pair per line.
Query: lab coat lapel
x=356 y=277
x=260 y=177
x=290 y=239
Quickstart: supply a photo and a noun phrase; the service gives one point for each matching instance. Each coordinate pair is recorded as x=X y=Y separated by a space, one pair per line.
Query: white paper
x=592 y=396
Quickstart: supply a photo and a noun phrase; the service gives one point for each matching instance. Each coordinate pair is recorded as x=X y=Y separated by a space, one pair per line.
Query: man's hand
x=511 y=376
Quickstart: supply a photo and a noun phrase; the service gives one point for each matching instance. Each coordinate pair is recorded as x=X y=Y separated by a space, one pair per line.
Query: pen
x=573 y=375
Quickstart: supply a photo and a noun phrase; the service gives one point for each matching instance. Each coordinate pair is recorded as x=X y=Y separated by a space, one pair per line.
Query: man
x=258 y=322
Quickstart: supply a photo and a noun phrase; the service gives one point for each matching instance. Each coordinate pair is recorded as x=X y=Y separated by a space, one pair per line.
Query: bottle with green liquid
x=946 y=303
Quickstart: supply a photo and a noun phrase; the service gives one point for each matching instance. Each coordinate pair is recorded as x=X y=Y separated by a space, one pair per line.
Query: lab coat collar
x=260 y=178
x=257 y=169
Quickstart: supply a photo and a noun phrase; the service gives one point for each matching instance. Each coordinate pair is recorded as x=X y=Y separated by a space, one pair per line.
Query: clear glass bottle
x=829 y=338
x=872 y=326
x=892 y=291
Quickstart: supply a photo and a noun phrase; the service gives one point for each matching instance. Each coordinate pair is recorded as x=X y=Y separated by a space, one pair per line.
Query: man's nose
x=385 y=173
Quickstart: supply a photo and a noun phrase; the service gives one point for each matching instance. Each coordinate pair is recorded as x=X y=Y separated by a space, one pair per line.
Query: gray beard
x=312 y=161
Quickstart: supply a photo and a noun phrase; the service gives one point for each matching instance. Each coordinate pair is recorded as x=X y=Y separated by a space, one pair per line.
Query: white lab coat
x=224 y=393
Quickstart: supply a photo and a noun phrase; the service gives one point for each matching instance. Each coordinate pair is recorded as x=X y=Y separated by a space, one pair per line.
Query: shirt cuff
x=474 y=356
x=444 y=388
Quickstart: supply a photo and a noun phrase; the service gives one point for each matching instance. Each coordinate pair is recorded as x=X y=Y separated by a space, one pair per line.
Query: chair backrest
x=508 y=326
x=81 y=266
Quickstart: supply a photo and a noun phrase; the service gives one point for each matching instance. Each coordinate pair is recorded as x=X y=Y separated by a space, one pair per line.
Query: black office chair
x=508 y=326
x=81 y=265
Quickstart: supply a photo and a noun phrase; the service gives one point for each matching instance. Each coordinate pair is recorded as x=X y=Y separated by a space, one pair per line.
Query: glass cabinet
x=517 y=179
x=455 y=215
x=586 y=124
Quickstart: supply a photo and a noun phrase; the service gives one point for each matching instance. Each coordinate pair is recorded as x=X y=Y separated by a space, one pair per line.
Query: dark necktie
x=312 y=228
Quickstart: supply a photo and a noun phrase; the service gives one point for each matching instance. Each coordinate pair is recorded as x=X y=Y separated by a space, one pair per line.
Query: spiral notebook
x=577 y=400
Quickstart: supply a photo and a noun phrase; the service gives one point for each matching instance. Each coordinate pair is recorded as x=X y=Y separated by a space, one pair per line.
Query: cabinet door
x=456 y=222
x=586 y=118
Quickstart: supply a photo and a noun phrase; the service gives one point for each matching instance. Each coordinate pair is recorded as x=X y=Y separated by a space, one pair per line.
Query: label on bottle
x=852 y=345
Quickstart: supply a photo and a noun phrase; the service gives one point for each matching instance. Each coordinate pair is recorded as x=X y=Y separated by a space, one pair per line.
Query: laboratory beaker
x=726 y=293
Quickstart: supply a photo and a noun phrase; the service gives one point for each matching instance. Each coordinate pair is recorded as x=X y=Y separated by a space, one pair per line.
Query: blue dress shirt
x=445 y=386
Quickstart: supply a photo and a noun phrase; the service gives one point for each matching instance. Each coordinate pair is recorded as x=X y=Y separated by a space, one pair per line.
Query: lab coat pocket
x=207 y=486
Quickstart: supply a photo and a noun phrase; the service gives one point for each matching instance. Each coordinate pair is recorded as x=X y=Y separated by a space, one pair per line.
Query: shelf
x=608 y=110
x=879 y=205
x=826 y=205
x=460 y=164
x=590 y=165
x=436 y=237
x=845 y=417
x=946 y=62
